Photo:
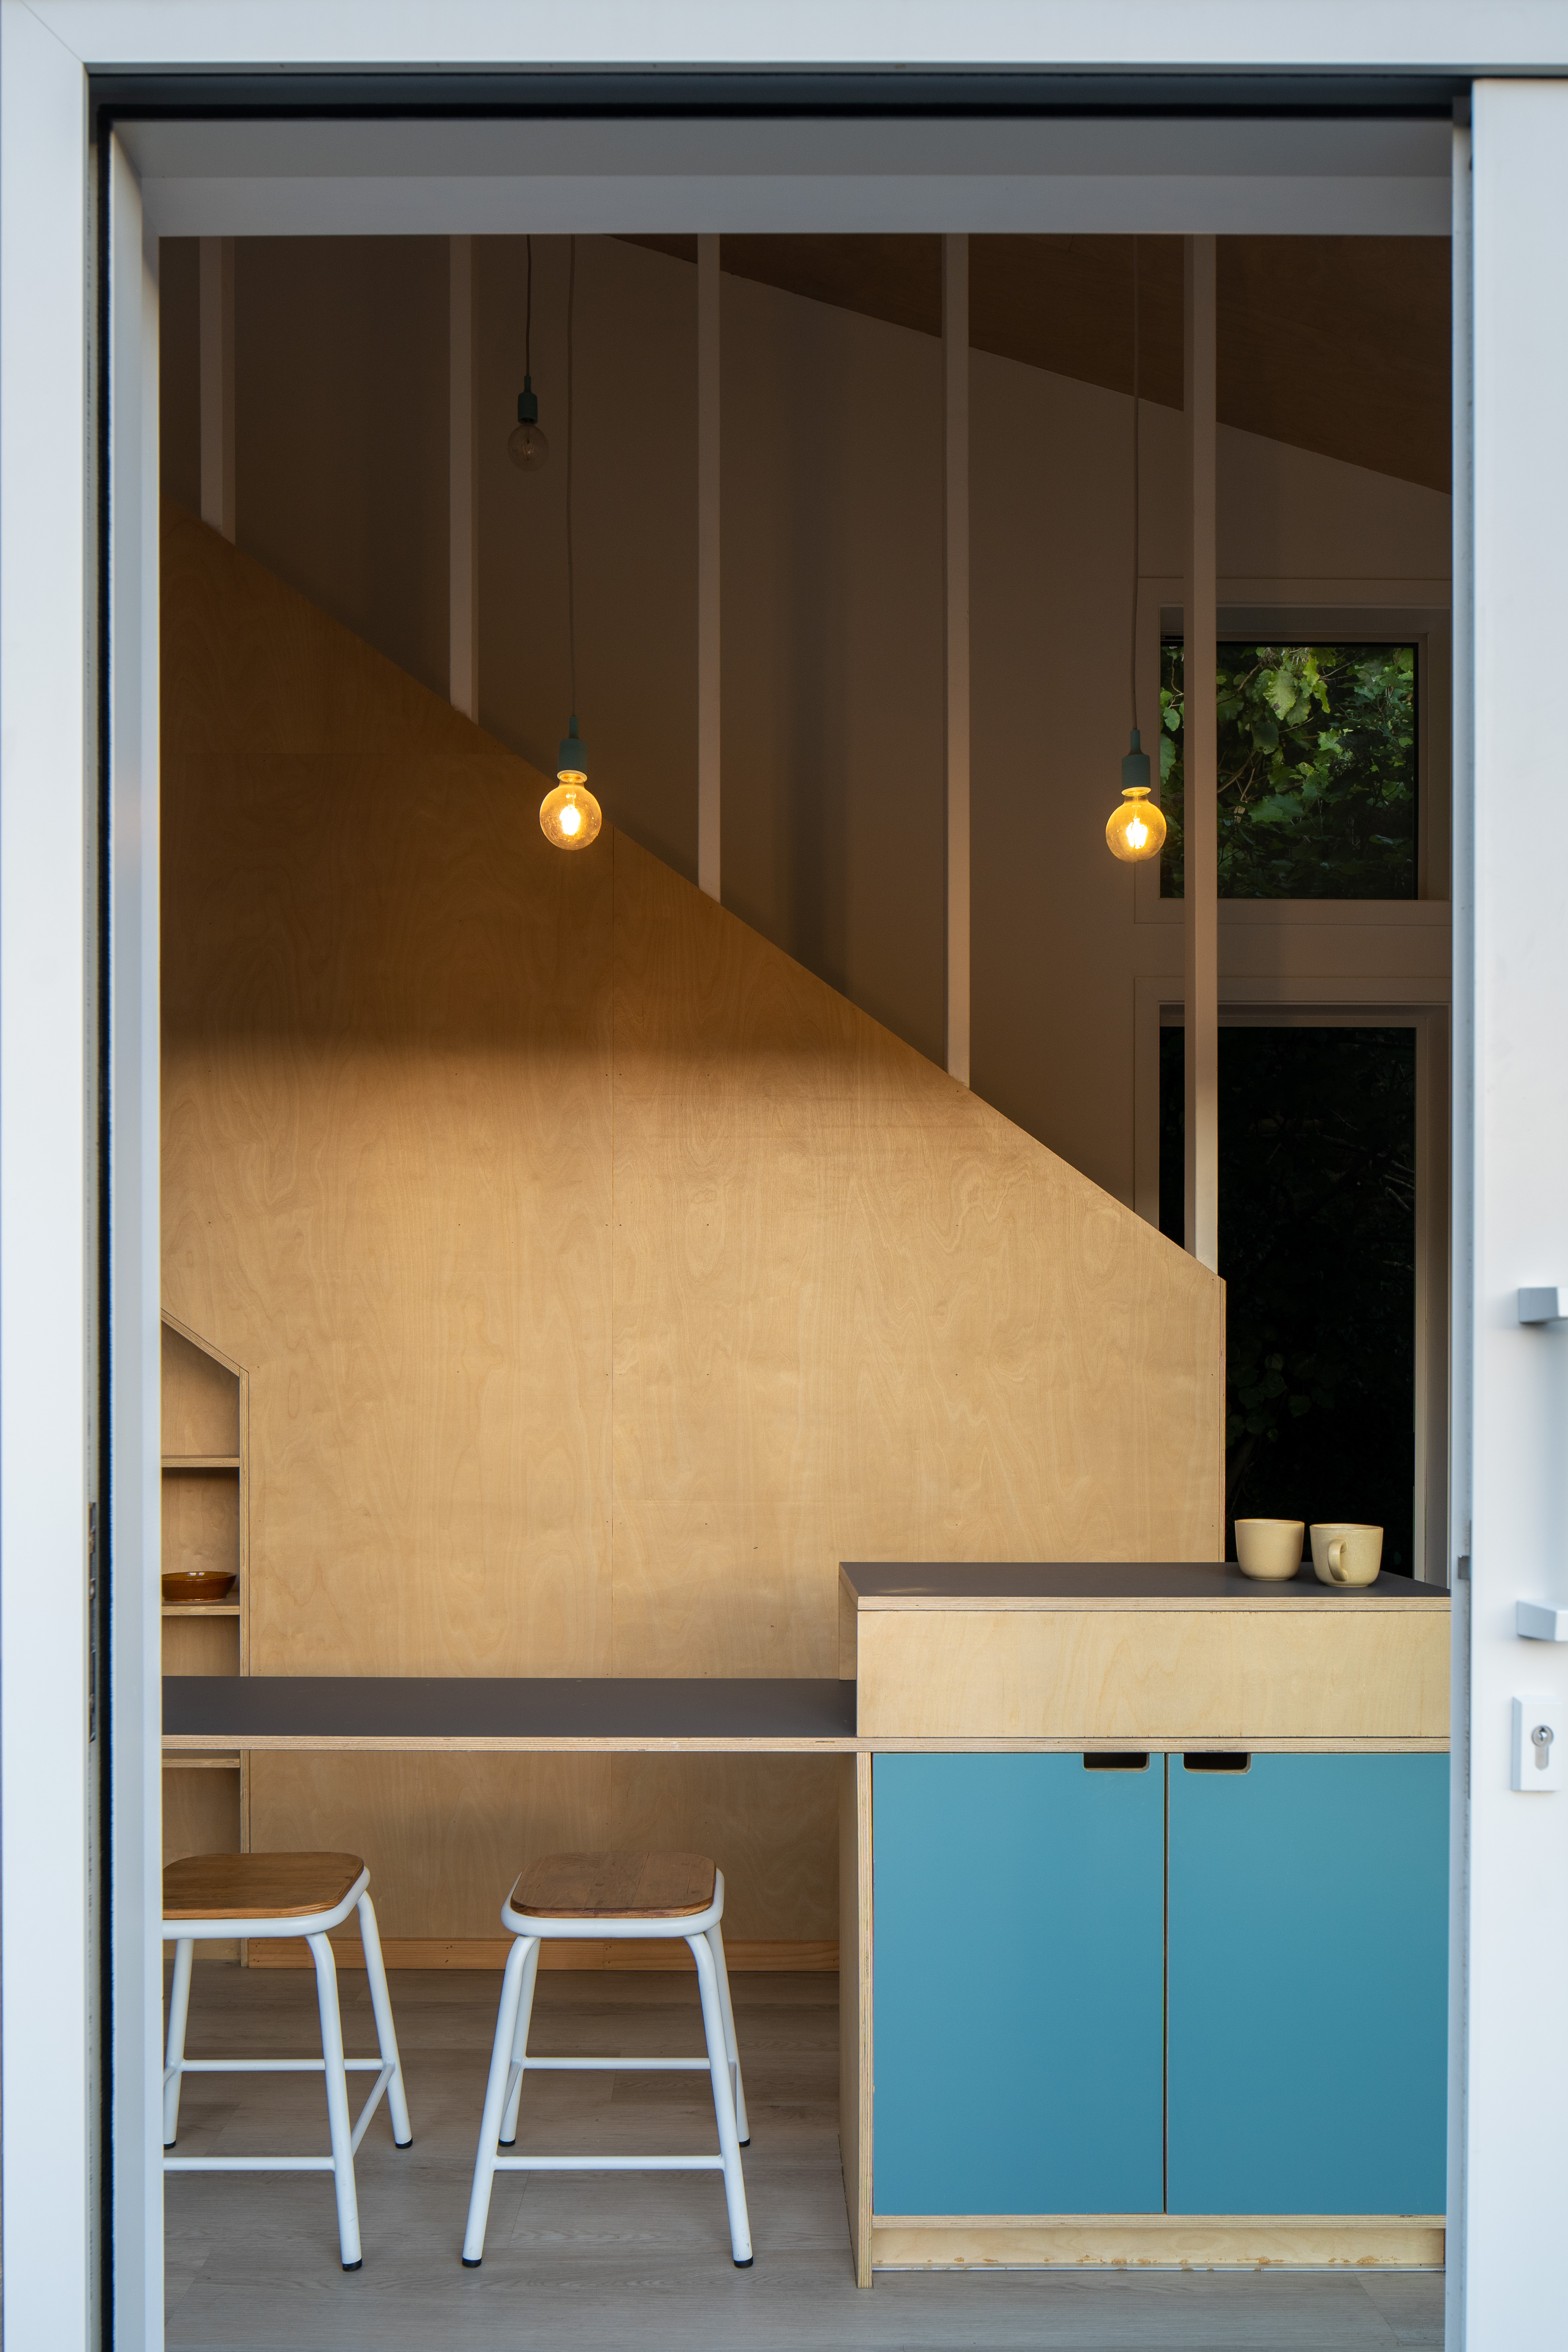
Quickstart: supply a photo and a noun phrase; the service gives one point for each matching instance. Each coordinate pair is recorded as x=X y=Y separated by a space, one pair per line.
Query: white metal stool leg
x=716 y=1946
x=496 y=2091
x=520 y=2046
x=179 y=2010
x=386 y=2032
x=724 y=2101
x=338 y=2124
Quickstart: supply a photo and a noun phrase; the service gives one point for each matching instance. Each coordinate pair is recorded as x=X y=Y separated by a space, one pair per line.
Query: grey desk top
x=378 y=1711
x=1139 y=1582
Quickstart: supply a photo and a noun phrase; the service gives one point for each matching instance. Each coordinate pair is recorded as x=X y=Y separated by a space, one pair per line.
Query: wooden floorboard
x=597 y=2262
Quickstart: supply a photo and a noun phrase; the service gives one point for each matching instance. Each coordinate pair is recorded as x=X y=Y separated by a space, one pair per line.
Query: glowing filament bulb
x=571 y=819
x=1136 y=829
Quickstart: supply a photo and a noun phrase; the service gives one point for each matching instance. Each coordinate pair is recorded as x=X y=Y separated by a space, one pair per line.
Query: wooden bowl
x=199 y=1584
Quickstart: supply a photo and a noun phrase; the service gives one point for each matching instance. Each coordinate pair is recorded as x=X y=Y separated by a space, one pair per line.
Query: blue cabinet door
x=1307 y=1937
x=1017 y=1997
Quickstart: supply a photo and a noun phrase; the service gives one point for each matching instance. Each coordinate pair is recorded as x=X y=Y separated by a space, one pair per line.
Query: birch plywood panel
x=201 y=1813
x=1301 y=1673
x=852 y=1305
x=445 y=1836
x=386 y=1162
x=602 y=1279
x=201 y=1522
x=200 y=1400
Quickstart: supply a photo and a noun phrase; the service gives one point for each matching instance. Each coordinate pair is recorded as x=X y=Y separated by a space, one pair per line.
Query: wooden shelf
x=201 y=1461
x=201 y=1763
x=201 y=1608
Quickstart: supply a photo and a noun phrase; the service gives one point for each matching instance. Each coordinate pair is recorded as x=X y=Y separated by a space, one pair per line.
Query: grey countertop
x=1102 y=1583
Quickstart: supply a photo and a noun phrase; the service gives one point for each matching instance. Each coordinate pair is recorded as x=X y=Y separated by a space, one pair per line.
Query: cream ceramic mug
x=1268 y=1550
x=1346 y=1553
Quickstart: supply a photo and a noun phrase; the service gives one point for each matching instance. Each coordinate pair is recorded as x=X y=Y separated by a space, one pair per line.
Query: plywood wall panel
x=357 y=1008
x=602 y=1277
x=258 y=665
x=201 y=1813
x=445 y=1836
x=200 y=1400
x=858 y=1314
x=201 y=1646
x=201 y=1522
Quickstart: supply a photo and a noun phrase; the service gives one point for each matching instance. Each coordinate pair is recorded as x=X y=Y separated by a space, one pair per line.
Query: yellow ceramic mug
x=1269 y=1550
x=1346 y=1553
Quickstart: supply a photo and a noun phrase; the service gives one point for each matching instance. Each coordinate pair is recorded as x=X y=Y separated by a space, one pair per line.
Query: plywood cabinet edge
x=854 y=2071
x=848 y=1619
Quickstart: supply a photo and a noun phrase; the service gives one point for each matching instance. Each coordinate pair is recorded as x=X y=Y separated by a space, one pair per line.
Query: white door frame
x=1511 y=1896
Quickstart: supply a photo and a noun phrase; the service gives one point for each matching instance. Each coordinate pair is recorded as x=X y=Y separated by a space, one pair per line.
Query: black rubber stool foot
x=506 y=2142
x=742 y=2266
x=355 y=2266
x=473 y=2265
x=743 y=2143
x=404 y=2143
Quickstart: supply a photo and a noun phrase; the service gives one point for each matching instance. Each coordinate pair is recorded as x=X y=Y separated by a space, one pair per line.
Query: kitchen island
x=1148 y=1869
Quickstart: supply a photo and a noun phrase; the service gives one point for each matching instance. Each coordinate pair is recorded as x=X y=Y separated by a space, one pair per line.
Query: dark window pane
x=1317 y=1246
x=1317 y=771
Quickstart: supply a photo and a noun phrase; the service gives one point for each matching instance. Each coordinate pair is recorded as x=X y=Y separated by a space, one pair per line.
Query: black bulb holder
x=1135 y=772
x=574 y=759
x=528 y=403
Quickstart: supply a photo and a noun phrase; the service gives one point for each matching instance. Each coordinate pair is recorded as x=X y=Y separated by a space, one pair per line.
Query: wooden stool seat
x=615 y=1886
x=257 y=1886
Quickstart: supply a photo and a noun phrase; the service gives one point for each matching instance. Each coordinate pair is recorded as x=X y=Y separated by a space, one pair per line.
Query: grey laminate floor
x=601 y=2261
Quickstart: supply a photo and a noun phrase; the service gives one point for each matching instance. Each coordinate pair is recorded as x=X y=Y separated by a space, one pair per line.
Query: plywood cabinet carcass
x=1152 y=2007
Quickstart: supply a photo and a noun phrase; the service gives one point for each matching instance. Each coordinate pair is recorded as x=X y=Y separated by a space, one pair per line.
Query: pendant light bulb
x=570 y=816
x=527 y=448
x=1136 y=829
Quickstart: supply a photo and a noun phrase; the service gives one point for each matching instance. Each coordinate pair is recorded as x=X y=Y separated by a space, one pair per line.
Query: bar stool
x=260 y=1895
x=626 y=1895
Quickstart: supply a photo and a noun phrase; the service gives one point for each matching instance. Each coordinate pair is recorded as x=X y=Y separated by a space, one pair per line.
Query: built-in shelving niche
x=206 y=1798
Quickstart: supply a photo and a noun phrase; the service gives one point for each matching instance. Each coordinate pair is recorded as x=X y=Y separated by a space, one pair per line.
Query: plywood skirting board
x=1158 y=2241
x=743 y=1956
x=602 y=1278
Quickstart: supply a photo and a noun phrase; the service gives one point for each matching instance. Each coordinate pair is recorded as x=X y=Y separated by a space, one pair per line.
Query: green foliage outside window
x=1317 y=771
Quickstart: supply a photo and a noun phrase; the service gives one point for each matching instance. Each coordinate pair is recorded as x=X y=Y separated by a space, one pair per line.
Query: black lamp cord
x=571 y=581
x=1135 y=502
x=527 y=318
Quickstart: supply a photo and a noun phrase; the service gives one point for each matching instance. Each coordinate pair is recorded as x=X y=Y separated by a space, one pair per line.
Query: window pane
x=1317 y=771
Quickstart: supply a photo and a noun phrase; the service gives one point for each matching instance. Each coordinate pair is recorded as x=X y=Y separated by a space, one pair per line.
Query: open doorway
x=1319 y=1144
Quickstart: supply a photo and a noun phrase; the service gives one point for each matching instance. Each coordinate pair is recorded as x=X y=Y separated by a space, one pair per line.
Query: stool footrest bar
x=609 y=2164
x=613 y=2065
x=268 y=2067
x=248 y=2164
